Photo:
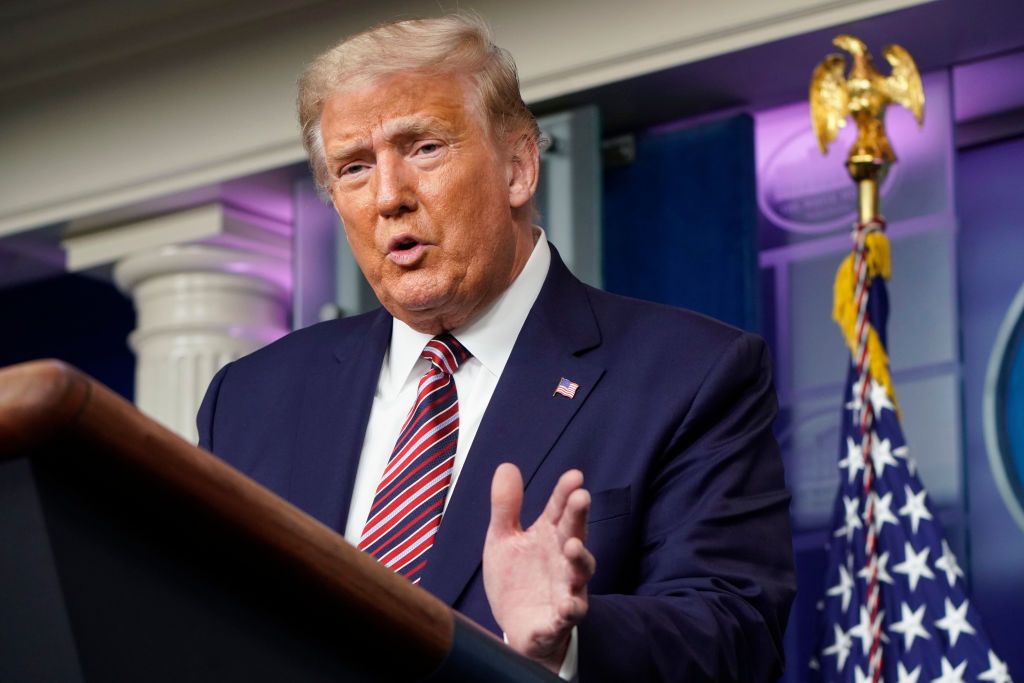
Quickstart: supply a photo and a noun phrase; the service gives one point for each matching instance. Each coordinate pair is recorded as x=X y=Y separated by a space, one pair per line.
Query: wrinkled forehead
x=408 y=99
x=397 y=110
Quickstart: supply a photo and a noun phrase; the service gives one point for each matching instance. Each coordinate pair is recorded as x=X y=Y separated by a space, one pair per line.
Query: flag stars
x=914 y=565
x=904 y=676
x=866 y=629
x=855 y=405
x=882 y=512
x=852 y=507
x=933 y=640
x=879 y=563
x=915 y=507
x=844 y=588
x=881 y=455
x=910 y=626
x=955 y=622
x=996 y=671
x=840 y=648
x=903 y=453
x=948 y=564
x=854 y=460
x=879 y=397
x=951 y=674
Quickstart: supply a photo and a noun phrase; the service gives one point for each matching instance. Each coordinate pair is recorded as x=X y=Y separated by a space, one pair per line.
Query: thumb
x=506 y=500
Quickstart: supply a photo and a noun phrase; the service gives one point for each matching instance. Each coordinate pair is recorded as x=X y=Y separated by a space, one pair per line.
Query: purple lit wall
x=989 y=87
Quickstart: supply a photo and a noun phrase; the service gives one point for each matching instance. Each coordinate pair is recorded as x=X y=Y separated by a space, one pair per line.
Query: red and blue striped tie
x=407 y=506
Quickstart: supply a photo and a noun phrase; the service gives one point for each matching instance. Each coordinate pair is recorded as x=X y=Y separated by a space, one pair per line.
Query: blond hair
x=454 y=44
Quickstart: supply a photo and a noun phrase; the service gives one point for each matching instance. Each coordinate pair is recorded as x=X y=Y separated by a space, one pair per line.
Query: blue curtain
x=77 y=319
x=680 y=222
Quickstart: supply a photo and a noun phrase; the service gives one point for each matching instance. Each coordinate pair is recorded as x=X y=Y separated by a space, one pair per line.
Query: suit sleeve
x=208 y=409
x=716 y=576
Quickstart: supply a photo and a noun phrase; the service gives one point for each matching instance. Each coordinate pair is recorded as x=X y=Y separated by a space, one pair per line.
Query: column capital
x=210 y=284
x=214 y=224
x=265 y=270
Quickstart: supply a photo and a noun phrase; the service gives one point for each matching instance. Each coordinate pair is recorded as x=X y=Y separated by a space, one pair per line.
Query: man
x=490 y=365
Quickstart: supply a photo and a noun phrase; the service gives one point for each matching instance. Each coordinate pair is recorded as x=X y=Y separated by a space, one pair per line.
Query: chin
x=418 y=307
x=421 y=291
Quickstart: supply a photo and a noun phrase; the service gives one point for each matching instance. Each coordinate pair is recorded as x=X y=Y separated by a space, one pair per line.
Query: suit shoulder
x=309 y=342
x=636 y=321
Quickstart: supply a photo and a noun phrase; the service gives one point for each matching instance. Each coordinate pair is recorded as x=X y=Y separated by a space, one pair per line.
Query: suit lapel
x=335 y=410
x=521 y=424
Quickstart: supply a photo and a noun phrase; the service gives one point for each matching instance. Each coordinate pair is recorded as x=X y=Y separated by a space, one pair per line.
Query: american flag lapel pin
x=566 y=388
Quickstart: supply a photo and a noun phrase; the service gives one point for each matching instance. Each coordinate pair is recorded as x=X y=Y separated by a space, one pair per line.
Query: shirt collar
x=489 y=337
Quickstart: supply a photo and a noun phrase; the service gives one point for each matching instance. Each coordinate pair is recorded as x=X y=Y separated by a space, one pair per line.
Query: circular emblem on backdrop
x=1003 y=409
x=802 y=190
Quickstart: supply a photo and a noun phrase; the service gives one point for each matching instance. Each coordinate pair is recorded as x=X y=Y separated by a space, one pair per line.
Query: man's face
x=433 y=208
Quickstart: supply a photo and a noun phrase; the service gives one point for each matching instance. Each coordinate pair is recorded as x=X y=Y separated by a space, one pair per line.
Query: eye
x=428 y=148
x=351 y=169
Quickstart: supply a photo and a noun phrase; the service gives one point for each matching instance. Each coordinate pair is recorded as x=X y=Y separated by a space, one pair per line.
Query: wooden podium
x=127 y=554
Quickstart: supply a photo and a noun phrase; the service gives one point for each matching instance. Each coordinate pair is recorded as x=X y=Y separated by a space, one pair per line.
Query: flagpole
x=870 y=220
x=867 y=162
x=867 y=173
x=912 y=614
x=864 y=95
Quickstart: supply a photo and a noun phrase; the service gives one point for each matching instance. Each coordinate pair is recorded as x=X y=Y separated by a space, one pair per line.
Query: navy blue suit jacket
x=671 y=426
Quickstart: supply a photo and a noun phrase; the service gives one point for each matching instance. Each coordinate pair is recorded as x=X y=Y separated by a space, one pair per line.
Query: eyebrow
x=414 y=126
x=394 y=130
x=348 y=150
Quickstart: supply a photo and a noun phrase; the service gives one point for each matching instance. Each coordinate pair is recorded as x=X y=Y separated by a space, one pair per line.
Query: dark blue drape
x=680 y=222
x=77 y=319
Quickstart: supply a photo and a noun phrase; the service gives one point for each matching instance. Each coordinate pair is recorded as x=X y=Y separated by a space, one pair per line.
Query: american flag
x=922 y=626
x=566 y=388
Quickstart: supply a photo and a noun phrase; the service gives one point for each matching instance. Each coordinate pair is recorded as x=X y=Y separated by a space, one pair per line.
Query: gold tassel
x=878 y=255
x=844 y=309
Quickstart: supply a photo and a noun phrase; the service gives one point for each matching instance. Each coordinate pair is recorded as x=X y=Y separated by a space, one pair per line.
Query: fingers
x=567 y=483
x=506 y=500
x=581 y=564
x=573 y=523
x=572 y=610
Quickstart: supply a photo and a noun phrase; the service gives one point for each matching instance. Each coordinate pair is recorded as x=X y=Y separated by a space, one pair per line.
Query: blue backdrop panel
x=77 y=319
x=680 y=221
x=989 y=260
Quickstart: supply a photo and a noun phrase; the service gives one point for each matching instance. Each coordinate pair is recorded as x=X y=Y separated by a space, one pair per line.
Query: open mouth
x=404 y=242
x=405 y=249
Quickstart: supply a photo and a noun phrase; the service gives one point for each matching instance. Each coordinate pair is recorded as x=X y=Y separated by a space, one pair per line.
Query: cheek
x=467 y=205
x=359 y=234
x=441 y=192
x=358 y=219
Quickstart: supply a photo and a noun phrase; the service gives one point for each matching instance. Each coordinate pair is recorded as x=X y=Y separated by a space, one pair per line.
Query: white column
x=198 y=307
x=210 y=283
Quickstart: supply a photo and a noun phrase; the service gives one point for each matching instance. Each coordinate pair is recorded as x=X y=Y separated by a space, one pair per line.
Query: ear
x=523 y=169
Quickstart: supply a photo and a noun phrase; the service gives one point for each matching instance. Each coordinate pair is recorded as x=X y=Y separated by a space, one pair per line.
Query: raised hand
x=536 y=579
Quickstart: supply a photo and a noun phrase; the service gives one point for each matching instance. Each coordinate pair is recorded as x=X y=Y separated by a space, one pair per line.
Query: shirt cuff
x=569 y=663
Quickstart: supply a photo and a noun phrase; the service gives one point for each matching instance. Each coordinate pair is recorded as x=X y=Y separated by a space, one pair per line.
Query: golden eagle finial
x=864 y=94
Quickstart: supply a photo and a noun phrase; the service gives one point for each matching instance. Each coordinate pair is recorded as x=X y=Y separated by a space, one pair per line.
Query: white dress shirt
x=490 y=338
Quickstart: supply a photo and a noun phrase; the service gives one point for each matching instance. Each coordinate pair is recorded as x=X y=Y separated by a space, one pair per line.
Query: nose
x=396 y=193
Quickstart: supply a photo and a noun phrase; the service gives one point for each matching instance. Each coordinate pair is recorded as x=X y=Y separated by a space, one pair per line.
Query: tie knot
x=445 y=353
